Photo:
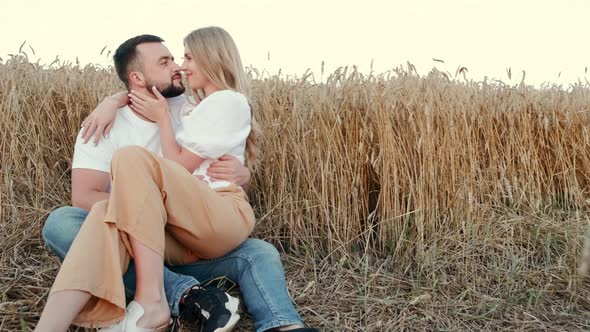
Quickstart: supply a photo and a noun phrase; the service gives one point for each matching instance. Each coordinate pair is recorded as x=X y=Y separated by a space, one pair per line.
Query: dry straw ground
x=401 y=202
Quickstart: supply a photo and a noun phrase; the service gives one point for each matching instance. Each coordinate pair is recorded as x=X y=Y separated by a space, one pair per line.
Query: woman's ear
x=137 y=79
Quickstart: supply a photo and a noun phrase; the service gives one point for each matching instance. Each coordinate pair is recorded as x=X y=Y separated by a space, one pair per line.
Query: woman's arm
x=172 y=150
x=101 y=120
x=157 y=110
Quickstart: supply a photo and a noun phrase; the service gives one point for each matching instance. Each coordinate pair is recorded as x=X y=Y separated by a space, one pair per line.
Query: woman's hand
x=229 y=168
x=101 y=120
x=153 y=109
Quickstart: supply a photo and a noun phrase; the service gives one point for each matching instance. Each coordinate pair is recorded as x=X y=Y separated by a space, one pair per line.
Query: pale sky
x=543 y=37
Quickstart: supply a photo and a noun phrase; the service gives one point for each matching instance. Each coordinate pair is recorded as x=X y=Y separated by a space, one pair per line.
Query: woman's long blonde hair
x=217 y=56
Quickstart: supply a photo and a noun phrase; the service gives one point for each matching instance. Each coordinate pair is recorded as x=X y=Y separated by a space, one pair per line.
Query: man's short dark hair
x=126 y=54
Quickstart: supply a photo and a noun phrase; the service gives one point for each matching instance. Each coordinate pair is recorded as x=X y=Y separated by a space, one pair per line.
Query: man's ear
x=137 y=79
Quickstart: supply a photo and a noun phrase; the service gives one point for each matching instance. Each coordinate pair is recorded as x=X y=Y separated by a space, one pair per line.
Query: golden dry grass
x=403 y=202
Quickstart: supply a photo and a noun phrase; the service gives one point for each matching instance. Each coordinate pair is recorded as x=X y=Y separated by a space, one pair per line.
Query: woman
x=154 y=199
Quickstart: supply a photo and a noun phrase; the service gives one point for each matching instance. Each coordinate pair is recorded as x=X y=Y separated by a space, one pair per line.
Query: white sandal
x=134 y=313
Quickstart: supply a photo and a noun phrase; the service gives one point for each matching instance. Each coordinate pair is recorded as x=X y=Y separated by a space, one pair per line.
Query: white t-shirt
x=128 y=129
x=218 y=125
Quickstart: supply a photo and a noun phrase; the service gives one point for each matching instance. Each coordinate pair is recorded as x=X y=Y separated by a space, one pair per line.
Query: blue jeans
x=255 y=265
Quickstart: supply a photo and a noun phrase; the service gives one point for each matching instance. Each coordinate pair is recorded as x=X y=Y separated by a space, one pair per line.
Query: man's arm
x=88 y=187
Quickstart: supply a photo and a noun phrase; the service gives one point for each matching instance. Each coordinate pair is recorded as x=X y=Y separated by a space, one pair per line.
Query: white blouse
x=218 y=125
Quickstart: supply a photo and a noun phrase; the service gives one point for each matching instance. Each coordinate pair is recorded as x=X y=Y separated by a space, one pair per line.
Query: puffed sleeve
x=217 y=126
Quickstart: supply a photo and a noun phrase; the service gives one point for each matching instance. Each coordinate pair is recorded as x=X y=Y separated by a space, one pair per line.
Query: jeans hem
x=278 y=323
x=175 y=306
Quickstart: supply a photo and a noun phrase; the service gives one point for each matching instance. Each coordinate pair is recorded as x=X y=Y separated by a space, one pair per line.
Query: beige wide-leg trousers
x=163 y=206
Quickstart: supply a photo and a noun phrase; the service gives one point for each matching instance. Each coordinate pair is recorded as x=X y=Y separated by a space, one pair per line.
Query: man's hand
x=229 y=168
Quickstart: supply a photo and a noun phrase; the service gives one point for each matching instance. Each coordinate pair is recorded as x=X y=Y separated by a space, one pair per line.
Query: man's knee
x=260 y=252
x=61 y=227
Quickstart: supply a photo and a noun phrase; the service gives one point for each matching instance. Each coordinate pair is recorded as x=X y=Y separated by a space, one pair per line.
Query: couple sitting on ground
x=159 y=203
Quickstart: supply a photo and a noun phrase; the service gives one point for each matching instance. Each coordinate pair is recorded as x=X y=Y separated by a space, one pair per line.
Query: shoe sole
x=230 y=324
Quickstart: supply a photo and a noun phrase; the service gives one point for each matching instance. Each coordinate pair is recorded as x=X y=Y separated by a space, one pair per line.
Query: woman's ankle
x=149 y=297
x=155 y=313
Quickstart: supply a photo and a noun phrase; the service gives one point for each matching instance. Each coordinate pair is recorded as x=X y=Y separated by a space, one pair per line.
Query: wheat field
x=400 y=202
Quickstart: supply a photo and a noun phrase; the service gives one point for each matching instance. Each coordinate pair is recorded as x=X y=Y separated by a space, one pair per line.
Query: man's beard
x=169 y=90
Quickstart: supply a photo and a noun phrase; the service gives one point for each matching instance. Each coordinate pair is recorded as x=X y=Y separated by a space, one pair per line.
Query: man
x=142 y=62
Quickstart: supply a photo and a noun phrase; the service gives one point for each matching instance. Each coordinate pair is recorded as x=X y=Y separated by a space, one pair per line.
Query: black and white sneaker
x=218 y=309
